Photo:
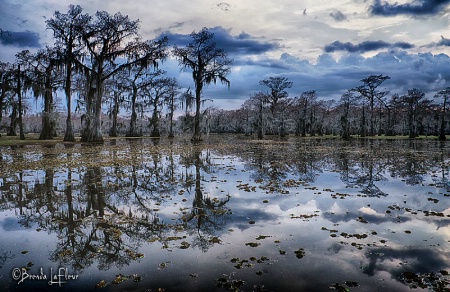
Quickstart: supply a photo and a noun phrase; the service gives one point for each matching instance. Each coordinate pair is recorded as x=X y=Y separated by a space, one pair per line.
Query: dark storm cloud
x=444 y=42
x=330 y=78
x=241 y=44
x=338 y=16
x=420 y=7
x=21 y=39
x=365 y=46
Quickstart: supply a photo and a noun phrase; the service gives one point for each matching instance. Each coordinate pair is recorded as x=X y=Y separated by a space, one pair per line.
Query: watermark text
x=55 y=277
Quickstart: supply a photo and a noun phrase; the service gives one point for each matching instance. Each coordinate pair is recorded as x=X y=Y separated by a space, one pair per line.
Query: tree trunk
x=345 y=123
x=197 y=135
x=133 y=131
x=114 y=113
x=260 y=122
x=19 y=94
x=69 y=135
x=363 y=123
x=442 y=128
x=411 y=127
x=372 y=132
x=47 y=123
x=171 y=118
x=155 y=123
x=13 y=122
x=2 y=98
x=92 y=131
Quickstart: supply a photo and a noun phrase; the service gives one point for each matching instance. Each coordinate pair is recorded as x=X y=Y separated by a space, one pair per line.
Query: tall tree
x=6 y=86
x=159 y=91
x=277 y=91
x=208 y=64
x=114 y=92
x=137 y=82
x=257 y=102
x=346 y=101
x=113 y=44
x=370 y=92
x=171 y=104
x=44 y=79
x=67 y=31
x=414 y=102
x=444 y=95
x=20 y=78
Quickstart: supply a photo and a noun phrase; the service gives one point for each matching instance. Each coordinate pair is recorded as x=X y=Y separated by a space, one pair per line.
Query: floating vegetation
x=134 y=255
x=253 y=244
x=228 y=284
x=215 y=239
x=351 y=284
x=433 y=281
x=101 y=284
x=262 y=237
x=185 y=245
x=341 y=196
x=341 y=288
x=361 y=219
x=246 y=187
x=164 y=265
x=303 y=216
x=136 y=278
x=248 y=263
x=300 y=253
x=119 y=279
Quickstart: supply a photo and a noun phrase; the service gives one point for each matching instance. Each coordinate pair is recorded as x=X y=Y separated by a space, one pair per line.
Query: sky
x=322 y=45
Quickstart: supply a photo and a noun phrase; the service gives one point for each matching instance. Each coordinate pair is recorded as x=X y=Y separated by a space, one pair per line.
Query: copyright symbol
x=16 y=273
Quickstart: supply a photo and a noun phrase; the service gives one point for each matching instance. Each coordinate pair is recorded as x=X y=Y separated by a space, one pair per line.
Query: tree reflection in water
x=108 y=203
x=207 y=214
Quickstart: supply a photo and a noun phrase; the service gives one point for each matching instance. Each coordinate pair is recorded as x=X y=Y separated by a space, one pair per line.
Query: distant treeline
x=362 y=111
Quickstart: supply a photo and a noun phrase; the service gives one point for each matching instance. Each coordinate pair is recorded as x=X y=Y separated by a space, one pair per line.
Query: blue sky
x=327 y=46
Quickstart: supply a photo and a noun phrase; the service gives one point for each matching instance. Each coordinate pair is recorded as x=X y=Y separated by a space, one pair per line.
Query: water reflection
x=106 y=207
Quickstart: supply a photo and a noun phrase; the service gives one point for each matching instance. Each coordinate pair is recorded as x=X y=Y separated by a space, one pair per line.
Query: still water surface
x=229 y=214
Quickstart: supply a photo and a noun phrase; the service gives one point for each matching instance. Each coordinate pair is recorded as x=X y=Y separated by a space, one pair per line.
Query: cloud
x=444 y=42
x=420 y=7
x=21 y=39
x=243 y=44
x=365 y=46
x=338 y=16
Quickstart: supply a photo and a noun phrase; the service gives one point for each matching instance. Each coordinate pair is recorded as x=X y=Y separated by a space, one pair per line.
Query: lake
x=231 y=213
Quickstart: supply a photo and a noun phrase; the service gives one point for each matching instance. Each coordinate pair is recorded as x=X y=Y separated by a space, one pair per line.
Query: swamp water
x=228 y=214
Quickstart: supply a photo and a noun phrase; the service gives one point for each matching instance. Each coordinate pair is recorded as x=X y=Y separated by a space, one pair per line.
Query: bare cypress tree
x=208 y=64
x=67 y=31
x=443 y=94
x=109 y=40
x=370 y=92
